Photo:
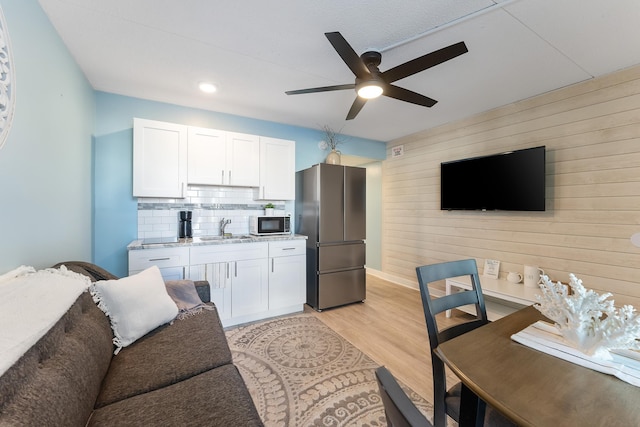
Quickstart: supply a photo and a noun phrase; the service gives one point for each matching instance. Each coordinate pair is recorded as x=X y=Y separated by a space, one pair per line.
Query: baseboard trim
x=401 y=281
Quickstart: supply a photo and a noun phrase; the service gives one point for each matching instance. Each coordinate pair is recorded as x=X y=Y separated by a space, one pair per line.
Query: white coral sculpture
x=588 y=320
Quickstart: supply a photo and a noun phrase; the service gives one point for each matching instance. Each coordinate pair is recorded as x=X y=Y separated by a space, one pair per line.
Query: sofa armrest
x=204 y=292
x=94 y=272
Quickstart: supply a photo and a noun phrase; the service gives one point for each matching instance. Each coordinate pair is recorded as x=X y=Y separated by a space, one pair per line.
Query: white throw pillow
x=135 y=305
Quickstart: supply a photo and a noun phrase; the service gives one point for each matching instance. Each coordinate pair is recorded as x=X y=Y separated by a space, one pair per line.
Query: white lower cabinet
x=173 y=262
x=238 y=277
x=217 y=274
x=249 y=287
x=287 y=271
x=248 y=281
x=238 y=288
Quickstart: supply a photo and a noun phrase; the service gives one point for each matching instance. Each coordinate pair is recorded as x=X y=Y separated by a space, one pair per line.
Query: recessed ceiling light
x=207 y=87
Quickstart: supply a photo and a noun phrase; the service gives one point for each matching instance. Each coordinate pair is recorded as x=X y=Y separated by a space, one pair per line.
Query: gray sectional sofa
x=179 y=374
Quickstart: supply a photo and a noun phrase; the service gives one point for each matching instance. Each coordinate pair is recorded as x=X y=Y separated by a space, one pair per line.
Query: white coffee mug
x=532 y=276
x=514 y=277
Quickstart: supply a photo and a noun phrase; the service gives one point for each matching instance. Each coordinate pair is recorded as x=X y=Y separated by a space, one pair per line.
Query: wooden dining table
x=530 y=387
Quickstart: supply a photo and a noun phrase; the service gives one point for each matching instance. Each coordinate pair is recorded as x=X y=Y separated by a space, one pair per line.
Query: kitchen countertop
x=213 y=240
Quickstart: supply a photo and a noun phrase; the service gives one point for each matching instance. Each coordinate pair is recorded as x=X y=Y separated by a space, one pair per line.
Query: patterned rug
x=301 y=373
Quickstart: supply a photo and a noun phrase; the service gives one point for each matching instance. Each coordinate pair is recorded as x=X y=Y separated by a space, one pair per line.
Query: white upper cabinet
x=159 y=159
x=243 y=159
x=207 y=156
x=277 y=169
x=167 y=156
x=223 y=158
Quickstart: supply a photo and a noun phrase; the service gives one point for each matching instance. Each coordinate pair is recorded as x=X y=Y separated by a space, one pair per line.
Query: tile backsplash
x=209 y=204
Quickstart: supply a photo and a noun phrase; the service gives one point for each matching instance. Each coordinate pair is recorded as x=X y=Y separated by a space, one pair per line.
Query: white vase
x=333 y=157
x=268 y=211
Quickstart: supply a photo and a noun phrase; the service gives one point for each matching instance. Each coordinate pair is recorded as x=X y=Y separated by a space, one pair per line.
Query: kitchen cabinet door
x=277 y=169
x=208 y=154
x=243 y=160
x=159 y=159
x=287 y=274
x=223 y=158
x=238 y=277
x=287 y=282
x=249 y=287
x=219 y=278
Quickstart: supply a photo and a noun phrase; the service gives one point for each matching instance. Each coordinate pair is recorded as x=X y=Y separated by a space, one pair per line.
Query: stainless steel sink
x=227 y=237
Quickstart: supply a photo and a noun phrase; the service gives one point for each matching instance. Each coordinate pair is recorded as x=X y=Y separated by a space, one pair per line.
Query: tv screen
x=511 y=181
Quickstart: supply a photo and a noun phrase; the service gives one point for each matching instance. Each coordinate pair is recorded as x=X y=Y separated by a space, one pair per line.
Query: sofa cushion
x=167 y=355
x=217 y=397
x=135 y=305
x=56 y=382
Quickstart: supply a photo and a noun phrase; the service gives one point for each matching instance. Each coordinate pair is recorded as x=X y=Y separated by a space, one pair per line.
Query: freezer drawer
x=340 y=256
x=339 y=288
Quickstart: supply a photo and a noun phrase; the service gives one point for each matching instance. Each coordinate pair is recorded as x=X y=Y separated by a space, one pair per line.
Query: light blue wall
x=45 y=165
x=116 y=209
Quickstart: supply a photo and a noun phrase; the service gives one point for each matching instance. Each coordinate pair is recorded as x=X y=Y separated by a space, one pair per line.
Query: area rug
x=301 y=373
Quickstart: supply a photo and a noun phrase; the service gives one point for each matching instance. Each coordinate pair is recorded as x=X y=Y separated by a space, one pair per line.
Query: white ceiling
x=255 y=50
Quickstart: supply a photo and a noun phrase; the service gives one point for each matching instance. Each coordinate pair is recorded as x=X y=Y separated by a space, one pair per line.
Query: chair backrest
x=399 y=409
x=432 y=306
x=433 y=273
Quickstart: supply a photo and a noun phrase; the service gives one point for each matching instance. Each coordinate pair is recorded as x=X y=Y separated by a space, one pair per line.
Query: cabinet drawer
x=228 y=252
x=162 y=257
x=287 y=248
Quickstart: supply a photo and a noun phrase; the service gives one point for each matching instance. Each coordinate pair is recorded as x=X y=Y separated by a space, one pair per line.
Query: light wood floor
x=390 y=327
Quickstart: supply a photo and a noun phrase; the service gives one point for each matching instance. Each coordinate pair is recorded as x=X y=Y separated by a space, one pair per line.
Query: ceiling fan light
x=369 y=90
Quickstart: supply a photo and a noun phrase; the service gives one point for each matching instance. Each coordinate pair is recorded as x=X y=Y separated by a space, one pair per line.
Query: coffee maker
x=184 y=227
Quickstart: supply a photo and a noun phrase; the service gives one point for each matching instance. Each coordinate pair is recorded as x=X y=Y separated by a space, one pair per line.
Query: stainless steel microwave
x=265 y=225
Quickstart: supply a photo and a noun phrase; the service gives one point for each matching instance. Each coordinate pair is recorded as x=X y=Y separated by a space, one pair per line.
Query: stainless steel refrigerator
x=330 y=210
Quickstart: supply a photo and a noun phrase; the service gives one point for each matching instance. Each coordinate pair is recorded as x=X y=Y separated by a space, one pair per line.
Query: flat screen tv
x=511 y=181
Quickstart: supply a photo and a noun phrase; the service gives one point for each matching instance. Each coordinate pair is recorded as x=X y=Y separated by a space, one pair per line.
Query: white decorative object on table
x=514 y=277
x=491 y=268
x=532 y=276
x=588 y=320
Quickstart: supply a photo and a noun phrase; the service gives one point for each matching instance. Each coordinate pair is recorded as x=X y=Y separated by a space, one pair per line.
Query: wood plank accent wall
x=592 y=134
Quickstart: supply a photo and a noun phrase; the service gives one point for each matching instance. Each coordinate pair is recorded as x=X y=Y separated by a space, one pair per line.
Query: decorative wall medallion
x=7 y=82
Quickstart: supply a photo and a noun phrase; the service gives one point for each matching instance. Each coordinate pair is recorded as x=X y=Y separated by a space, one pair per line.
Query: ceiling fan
x=371 y=82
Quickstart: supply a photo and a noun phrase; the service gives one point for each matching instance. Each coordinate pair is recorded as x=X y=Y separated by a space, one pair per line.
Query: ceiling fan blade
x=348 y=55
x=406 y=95
x=356 y=107
x=424 y=62
x=321 y=89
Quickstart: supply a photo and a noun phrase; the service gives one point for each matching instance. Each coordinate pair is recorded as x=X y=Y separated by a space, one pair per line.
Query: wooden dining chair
x=447 y=401
x=398 y=408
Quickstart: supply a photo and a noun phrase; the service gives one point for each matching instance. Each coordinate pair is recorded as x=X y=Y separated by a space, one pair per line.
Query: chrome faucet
x=223 y=225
